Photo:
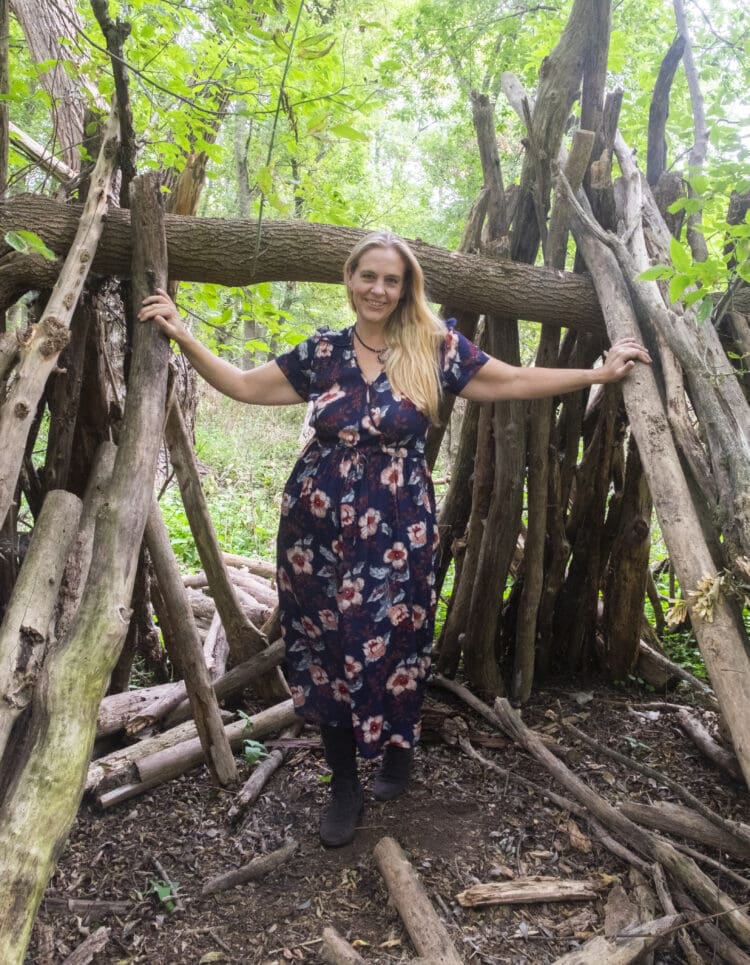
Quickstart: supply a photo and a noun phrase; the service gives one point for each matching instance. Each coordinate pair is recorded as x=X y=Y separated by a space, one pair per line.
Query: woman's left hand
x=621 y=359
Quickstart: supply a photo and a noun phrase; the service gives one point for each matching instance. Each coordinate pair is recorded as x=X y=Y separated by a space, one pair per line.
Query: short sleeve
x=461 y=360
x=297 y=366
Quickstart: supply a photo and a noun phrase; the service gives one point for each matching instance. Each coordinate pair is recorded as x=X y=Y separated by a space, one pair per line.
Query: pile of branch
x=689 y=896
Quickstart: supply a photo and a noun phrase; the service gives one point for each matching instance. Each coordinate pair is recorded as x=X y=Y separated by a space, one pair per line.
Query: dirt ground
x=458 y=824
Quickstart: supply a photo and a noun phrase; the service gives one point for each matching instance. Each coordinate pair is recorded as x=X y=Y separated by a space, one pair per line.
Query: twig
x=89 y=948
x=88 y=906
x=257 y=868
x=712 y=936
x=116 y=33
x=178 y=906
x=663 y=893
x=713 y=863
x=261 y=775
x=731 y=826
x=220 y=941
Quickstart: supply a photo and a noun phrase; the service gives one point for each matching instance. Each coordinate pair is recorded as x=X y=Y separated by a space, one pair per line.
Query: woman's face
x=376 y=285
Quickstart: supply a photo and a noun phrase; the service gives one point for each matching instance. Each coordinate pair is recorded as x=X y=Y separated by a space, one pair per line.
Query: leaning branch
x=34 y=151
x=50 y=336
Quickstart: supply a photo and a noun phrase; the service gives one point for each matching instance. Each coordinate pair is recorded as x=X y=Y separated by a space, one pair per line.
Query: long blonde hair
x=413 y=333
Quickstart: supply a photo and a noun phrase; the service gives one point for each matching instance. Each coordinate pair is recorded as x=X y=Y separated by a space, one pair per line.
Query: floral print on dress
x=357 y=541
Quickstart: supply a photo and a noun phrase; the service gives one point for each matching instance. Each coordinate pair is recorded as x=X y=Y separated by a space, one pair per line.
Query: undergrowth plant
x=246 y=454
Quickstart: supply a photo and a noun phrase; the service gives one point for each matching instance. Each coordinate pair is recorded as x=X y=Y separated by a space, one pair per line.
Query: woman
x=358 y=531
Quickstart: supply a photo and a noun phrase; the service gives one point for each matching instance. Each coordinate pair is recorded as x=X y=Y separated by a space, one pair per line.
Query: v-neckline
x=355 y=361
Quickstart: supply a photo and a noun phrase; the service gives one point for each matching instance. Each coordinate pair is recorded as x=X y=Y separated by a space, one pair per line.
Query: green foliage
x=28 y=242
x=682 y=648
x=165 y=892
x=248 y=454
x=253 y=752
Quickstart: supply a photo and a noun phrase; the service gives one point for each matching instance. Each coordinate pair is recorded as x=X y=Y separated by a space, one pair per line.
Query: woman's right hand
x=162 y=311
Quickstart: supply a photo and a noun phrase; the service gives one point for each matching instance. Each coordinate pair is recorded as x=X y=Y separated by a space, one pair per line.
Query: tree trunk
x=45 y=26
x=627 y=568
x=45 y=786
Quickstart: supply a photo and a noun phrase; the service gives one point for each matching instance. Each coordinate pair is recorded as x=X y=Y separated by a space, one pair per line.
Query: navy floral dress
x=356 y=544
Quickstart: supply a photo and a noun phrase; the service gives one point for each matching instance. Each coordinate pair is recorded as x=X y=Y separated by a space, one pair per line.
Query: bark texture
x=222 y=252
x=33 y=827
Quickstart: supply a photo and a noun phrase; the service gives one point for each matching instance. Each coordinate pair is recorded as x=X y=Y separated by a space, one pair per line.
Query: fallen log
x=255 y=587
x=25 y=629
x=686 y=823
x=144 y=772
x=236 y=680
x=257 y=868
x=628 y=947
x=203 y=608
x=117 y=710
x=179 y=758
x=337 y=950
x=119 y=765
x=224 y=252
x=253 y=564
x=428 y=933
x=699 y=735
x=522 y=891
x=175 y=707
x=674 y=670
x=89 y=906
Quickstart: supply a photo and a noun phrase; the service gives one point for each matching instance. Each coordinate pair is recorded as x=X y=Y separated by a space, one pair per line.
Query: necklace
x=382 y=353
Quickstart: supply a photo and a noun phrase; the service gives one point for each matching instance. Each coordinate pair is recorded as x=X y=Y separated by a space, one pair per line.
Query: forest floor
x=458 y=824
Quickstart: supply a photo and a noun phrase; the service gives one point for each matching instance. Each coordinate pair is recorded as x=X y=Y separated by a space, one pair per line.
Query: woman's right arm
x=265 y=385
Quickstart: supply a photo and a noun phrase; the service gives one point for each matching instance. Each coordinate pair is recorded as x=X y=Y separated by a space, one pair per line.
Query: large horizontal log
x=221 y=251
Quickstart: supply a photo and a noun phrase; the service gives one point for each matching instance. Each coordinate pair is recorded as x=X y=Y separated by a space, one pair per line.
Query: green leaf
x=265 y=180
x=678 y=285
x=253 y=751
x=349 y=132
x=680 y=258
x=26 y=241
x=692 y=297
x=657 y=273
x=688 y=205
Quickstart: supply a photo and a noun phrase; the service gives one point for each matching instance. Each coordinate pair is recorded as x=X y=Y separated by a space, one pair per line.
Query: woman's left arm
x=497 y=380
